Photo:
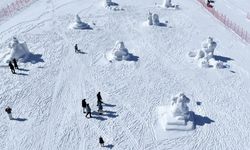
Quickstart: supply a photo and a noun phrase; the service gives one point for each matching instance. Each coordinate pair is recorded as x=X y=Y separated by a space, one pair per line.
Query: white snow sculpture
x=156 y=20
x=108 y=3
x=167 y=3
x=150 y=19
x=79 y=24
x=18 y=50
x=119 y=52
x=177 y=116
x=153 y=19
x=205 y=56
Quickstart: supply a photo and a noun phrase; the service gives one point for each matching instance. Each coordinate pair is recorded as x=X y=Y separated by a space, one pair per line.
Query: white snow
x=45 y=95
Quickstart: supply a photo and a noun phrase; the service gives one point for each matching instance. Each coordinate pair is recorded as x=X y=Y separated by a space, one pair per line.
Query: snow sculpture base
x=119 y=52
x=78 y=24
x=172 y=123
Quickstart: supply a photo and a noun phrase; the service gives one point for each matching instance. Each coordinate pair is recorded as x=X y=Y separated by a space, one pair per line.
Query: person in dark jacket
x=84 y=105
x=101 y=141
x=99 y=99
x=88 y=110
x=76 y=48
x=12 y=67
x=15 y=63
x=8 y=110
x=100 y=109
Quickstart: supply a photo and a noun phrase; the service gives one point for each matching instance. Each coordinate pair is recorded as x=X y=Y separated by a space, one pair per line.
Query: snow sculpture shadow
x=132 y=57
x=222 y=58
x=34 y=58
x=201 y=120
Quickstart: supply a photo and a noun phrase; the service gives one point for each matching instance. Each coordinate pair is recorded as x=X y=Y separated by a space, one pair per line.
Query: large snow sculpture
x=18 y=50
x=119 y=52
x=78 y=24
x=177 y=116
x=205 y=56
x=168 y=4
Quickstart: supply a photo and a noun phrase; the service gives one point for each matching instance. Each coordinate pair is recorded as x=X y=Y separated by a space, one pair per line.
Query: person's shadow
x=20 y=119
x=110 y=146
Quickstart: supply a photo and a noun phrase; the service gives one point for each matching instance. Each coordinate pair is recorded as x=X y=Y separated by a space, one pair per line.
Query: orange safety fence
x=241 y=32
x=14 y=7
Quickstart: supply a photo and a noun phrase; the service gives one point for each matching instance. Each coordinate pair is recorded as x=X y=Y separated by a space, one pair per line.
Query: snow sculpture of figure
x=79 y=24
x=208 y=47
x=119 y=52
x=18 y=50
x=179 y=107
x=150 y=19
x=167 y=3
x=156 y=19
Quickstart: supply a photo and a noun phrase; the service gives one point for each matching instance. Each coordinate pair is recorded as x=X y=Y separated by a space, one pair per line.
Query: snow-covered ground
x=46 y=93
x=4 y=3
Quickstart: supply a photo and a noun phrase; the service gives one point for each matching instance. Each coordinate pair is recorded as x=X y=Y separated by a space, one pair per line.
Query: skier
x=76 y=48
x=8 y=110
x=88 y=109
x=84 y=105
x=100 y=109
x=101 y=141
x=12 y=67
x=15 y=63
x=99 y=99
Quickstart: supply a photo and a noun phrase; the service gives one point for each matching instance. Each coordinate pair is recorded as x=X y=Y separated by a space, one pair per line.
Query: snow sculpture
x=167 y=3
x=153 y=19
x=18 y=50
x=150 y=19
x=108 y=3
x=119 y=52
x=205 y=56
x=177 y=116
x=79 y=24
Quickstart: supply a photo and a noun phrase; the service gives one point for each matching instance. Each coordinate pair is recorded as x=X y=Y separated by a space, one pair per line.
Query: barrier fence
x=12 y=8
x=241 y=32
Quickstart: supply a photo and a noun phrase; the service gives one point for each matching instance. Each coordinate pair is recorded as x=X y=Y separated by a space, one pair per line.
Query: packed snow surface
x=45 y=95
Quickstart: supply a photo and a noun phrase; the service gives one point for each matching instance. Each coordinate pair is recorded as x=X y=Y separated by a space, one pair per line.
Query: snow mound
x=78 y=24
x=176 y=116
x=168 y=4
x=18 y=50
x=205 y=56
x=119 y=52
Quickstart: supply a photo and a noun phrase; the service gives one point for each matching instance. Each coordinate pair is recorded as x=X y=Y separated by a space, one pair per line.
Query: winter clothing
x=99 y=98
x=84 y=104
x=15 y=63
x=101 y=141
x=76 y=48
x=8 y=110
x=12 y=68
x=88 y=109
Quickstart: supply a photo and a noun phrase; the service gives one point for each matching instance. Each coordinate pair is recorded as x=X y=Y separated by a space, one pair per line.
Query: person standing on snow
x=99 y=99
x=76 y=48
x=84 y=104
x=12 y=68
x=8 y=110
x=101 y=141
x=88 y=109
x=15 y=63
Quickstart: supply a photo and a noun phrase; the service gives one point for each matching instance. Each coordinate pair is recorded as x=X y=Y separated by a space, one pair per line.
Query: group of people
x=87 y=109
x=13 y=66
